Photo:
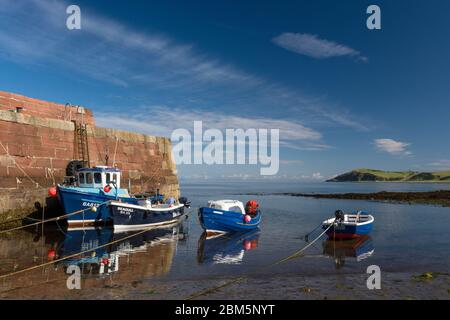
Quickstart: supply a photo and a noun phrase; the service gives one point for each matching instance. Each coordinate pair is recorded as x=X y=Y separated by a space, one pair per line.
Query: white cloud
x=440 y=164
x=312 y=46
x=317 y=176
x=34 y=32
x=292 y=134
x=393 y=147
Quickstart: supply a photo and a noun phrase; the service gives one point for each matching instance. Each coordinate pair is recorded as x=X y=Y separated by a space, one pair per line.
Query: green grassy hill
x=392 y=176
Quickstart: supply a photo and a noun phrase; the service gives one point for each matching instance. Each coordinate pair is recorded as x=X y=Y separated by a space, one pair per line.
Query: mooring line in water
x=49 y=220
x=74 y=255
x=297 y=253
x=292 y=256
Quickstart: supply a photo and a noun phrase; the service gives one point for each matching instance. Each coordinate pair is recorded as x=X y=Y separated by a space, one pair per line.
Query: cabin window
x=114 y=177
x=235 y=209
x=81 y=177
x=98 y=177
x=89 y=178
x=108 y=177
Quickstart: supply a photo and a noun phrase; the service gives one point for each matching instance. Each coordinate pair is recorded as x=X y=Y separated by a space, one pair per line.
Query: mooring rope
x=51 y=219
x=292 y=256
x=75 y=254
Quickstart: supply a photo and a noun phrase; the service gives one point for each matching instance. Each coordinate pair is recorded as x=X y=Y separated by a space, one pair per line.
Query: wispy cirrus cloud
x=392 y=146
x=109 y=51
x=312 y=46
x=293 y=134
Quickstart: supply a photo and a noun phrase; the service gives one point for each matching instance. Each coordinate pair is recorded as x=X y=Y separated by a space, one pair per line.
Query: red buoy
x=105 y=261
x=52 y=192
x=247 y=218
x=51 y=254
x=107 y=189
x=247 y=245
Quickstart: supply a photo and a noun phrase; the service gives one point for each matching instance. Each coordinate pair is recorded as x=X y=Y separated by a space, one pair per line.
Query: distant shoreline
x=373 y=175
x=439 y=197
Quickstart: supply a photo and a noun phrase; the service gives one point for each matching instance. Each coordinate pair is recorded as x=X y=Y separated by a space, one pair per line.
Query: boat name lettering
x=90 y=204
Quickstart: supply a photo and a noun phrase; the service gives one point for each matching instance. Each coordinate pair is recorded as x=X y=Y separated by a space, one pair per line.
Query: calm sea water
x=405 y=237
x=412 y=238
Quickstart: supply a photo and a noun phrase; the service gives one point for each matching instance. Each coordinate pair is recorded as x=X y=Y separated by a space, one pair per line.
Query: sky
x=343 y=96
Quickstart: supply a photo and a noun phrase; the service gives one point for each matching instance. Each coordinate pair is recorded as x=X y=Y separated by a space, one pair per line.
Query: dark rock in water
x=439 y=197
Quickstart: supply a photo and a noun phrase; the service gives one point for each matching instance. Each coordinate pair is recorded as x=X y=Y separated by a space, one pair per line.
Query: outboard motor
x=251 y=207
x=185 y=201
x=339 y=214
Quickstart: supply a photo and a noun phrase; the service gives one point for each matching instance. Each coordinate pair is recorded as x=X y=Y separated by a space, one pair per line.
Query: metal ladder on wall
x=81 y=142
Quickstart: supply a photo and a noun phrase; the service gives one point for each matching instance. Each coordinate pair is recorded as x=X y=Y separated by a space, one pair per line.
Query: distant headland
x=363 y=175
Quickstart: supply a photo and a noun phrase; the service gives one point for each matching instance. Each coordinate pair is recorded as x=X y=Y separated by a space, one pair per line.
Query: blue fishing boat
x=348 y=226
x=224 y=216
x=96 y=198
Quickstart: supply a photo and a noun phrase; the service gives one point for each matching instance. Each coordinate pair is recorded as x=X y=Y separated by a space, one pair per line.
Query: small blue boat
x=99 y=199
x=224 y=216
x=348 y=226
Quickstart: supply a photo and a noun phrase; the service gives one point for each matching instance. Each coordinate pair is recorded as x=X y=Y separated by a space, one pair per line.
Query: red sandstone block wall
x=37 y=152
x=44 y=109
x=29 y=153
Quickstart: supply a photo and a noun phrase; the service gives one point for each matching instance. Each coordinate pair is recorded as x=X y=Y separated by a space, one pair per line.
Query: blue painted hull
x=73 y=200
x=215 y=220
x=127 y=217
x=345 y=231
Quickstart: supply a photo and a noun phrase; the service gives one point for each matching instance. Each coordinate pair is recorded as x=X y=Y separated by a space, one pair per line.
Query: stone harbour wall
x=35 y=149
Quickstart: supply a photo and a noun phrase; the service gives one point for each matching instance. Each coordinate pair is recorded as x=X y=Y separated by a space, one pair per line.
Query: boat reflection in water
x=358 y=249
x=226 y=249
x=100 y=252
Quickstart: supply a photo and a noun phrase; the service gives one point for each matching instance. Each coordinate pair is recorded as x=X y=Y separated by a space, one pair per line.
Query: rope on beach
x=75 y=254
x=292 y=256
x=51 y=219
